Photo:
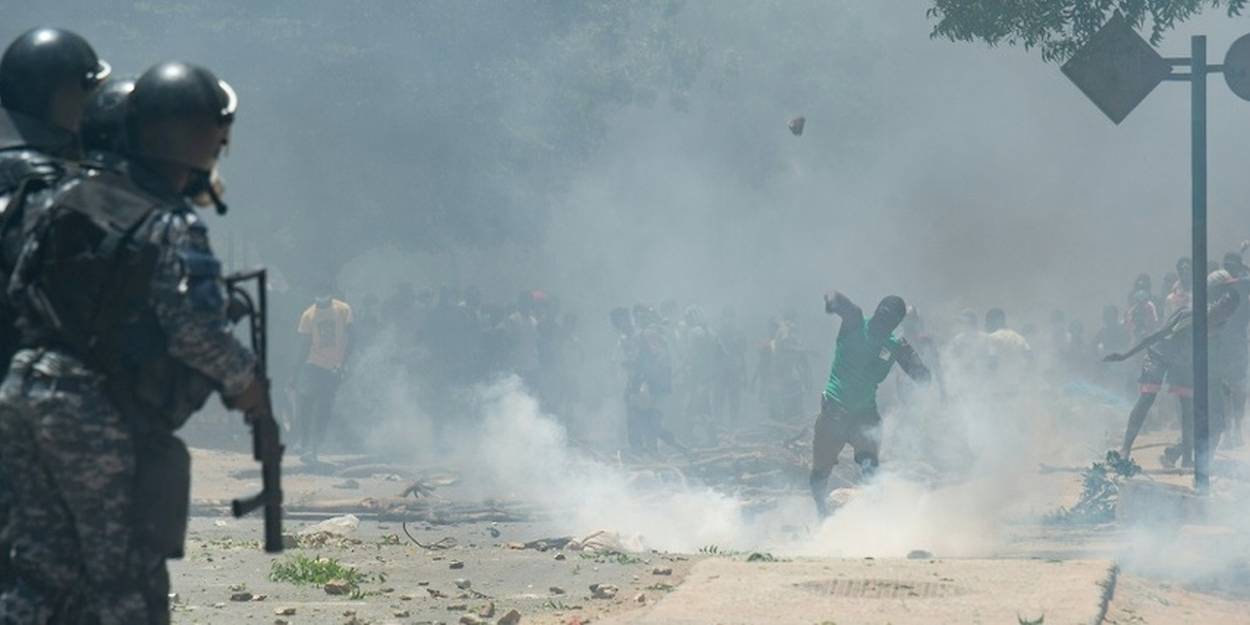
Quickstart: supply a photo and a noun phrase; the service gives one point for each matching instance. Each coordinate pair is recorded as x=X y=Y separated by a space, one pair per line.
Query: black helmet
x=38 y=62
x=180 y=113
x=104 y=119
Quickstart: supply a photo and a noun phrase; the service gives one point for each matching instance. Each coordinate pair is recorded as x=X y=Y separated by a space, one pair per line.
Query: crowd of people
x=448 y=340
x=687 y=379
x=684 y=376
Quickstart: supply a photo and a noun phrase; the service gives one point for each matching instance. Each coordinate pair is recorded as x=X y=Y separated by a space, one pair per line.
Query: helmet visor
x=97 y=75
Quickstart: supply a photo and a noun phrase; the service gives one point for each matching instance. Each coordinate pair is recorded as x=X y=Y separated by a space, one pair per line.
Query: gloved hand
x=252 y=399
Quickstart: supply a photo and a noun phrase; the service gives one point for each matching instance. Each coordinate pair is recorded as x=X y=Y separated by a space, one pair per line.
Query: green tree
x=1059 y=27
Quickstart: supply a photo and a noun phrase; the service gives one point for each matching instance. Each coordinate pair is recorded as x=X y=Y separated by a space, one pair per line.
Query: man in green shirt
x=866 y=351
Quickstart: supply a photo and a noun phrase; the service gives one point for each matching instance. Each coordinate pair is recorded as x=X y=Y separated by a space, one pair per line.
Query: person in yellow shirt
x=326 y=328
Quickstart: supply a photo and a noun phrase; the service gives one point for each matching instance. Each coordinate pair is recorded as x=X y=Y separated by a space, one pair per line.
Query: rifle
x=267 y=448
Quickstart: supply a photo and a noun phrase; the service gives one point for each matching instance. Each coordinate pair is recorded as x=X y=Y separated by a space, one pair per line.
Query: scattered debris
x=348 y=485
x=457 y=607
x=511 y=618
x=455 y=565
x=796 y=125
x=919 y=554
x=418 y=489
x=337 y=587
x=463 y=584
x=662 y=571
x=560 y=557
x=839 y=497
x=342 y=525
x=401 y=614
x=603 y=591
x=436 y=593
x=486 y=610
x=494 y=532
x=640 y=599
x=606 y=541
x=446 y=542
x=336 y=531
x=471 y=619
x=286 y=611
x=241 y=596
x=1100 y=490
x=556 y=590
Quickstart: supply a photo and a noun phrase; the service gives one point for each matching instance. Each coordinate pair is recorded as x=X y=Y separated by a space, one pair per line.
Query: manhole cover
x=882 y=589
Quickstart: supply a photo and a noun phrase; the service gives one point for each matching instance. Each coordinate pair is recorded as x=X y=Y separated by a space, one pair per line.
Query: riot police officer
x=103 y=130
x=124 y=337
x=45 y=77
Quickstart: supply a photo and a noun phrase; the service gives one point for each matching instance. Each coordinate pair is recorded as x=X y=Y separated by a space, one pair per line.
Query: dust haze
x=614 y=154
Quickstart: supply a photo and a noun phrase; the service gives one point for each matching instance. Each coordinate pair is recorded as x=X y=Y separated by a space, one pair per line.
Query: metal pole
x=1202 y=430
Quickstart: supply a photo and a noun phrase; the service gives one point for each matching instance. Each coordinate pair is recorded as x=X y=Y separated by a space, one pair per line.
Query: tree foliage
x=1059 y=27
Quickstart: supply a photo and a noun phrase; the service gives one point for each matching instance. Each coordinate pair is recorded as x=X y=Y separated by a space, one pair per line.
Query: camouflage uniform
x=27 y=149
x=72 y=451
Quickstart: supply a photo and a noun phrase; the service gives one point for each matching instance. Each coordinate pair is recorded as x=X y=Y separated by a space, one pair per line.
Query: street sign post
x=1117 y=69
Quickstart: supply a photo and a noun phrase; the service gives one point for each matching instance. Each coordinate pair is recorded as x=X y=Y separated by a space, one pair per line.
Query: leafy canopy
x=1059 y=27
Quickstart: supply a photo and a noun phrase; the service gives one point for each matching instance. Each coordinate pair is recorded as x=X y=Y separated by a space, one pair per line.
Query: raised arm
x=1147 y=340
x=840 y=305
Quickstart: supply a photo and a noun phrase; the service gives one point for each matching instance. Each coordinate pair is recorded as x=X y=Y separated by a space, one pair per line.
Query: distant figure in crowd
x=1182 y=294
x=1008 y=355
x=1237 y=349
x=1168 y=358
x=732 y=372
x=327 y=328
x=926 y=346
x=866 y=351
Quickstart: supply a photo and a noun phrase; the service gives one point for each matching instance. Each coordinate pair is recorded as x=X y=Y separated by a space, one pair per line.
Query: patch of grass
x=315 y=571
x=749 y=556
x=1100 y=490
x=616 y=557
x=560 y=606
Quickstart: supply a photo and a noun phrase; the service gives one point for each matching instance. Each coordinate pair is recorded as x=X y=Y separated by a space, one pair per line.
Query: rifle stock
x=267 y=446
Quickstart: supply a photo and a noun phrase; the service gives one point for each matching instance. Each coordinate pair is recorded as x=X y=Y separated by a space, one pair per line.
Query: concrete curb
x=1108 y=593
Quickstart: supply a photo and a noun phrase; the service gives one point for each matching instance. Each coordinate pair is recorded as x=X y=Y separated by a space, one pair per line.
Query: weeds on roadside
x=317 y=571
x=615 y=557
x=749 y=556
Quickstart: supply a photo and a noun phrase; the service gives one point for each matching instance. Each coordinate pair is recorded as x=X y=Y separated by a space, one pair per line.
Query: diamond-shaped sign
x=1116 y=68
